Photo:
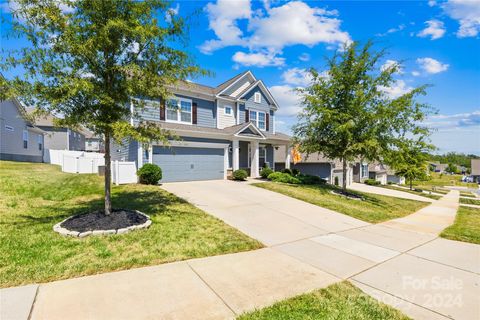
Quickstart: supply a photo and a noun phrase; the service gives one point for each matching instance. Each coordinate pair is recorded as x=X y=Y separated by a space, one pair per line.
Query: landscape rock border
x=70 y=233
x=351 y=197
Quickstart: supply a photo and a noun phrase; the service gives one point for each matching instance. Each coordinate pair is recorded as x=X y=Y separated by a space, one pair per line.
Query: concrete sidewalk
x=309 y=248
x=388 y=192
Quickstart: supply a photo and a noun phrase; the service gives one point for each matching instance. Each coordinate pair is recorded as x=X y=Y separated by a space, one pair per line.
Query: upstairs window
x=258 y=118
x=179 y=110
x=257 y=97
x=25 y=139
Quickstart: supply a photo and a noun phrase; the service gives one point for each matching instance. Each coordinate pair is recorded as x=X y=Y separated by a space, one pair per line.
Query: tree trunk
x=411 y=184
x=108 y=175
x=344 y=169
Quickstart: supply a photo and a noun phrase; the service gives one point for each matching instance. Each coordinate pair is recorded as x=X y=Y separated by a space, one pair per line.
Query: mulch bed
x=347 y=194
x=97 y=220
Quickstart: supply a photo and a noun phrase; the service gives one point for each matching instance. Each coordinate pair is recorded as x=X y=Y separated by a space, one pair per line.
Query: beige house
x=475 y=169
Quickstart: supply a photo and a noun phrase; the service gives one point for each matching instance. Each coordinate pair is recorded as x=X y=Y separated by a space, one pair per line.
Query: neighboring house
x=378 y=172
x=223 y=128
x=317 y=165
x=20 y=140
x=441 y=167
x=393 y=177
x=475 y=170
x=93 y=143
x=58 y=138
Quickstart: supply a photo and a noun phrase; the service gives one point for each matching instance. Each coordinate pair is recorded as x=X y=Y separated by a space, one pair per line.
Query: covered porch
x=253 y=154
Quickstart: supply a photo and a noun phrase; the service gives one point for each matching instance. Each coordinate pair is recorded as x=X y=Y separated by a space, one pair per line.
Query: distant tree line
x=455 y=158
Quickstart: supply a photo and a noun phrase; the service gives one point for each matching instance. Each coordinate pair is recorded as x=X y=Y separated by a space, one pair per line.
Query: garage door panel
x=187 y=163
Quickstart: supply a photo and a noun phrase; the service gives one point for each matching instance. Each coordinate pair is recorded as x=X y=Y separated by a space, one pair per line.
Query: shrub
x=295 y=172
x=417 y=190
x=283 y=177
x=240 y=175
x=288 y=171
x=266 y=171
x=336 y=181
x=372 y=182
x=309 y=179
x=149 y=174
x=390 y=182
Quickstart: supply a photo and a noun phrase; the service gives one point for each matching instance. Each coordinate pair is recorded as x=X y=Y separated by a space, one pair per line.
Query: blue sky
x=437 y=43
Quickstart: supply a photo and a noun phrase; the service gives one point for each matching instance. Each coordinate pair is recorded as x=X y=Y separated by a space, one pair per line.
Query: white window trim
x=179 y=112
x=225 y=110
x=25 y=138
x=257 y=118
x=257 y=97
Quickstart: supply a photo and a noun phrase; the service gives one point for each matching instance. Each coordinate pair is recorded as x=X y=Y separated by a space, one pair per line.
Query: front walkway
x=308 y=248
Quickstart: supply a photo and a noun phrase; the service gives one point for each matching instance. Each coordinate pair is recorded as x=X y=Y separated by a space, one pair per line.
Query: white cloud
x=432 y=3
x=172 y=12
x=259 y=59
x=397 y=89
x=392 y=30
x=435 y=30
x=391 y=63
x=415 y=73
x=431 y=65
x=272 y=28
x=223 y=18
x=297 y=77
x=454 y=121
x=467 y=13
x=287 y=99
x=306 y=25
x=304 y=57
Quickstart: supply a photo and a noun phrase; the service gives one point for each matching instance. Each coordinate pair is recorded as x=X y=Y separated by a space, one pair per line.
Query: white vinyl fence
x=88 y=162
x=124 y=172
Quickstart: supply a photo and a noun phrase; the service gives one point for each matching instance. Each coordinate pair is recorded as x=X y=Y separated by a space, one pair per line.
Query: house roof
x=23 y=111
x=377 y=167
x=230 y=81
x=43 y=120
x=475 y=170
x=226 y=133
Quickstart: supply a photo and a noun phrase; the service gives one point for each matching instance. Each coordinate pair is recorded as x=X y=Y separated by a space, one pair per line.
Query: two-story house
x=59 y=138
x=20 y=139
x=221 y=129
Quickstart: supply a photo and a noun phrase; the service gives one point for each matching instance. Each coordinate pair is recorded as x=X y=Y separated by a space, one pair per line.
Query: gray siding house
x=20 y=140
x=58 y=138
x=221 y=129
x=317 y=165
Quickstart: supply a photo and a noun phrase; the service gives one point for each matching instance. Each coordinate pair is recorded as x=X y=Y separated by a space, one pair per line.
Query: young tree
x=410 y=159
x=451 y=168
x=346 y=112
x=87 y=59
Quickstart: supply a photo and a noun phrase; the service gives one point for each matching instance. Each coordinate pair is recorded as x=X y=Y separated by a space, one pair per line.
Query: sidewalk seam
x=33 y=303
x=210 y=287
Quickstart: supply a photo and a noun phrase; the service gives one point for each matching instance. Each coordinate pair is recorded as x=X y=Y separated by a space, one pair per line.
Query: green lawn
x=422 y=194
x=34 y=197
x=338 y=301
x=375 y=208
x=467 y=194
x=466 y=226
x=440 y=180
x=470 y=201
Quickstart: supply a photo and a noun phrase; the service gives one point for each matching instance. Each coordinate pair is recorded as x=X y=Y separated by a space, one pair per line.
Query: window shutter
x=267 y=121
x=194 y=113
x=247 y=115
x=162 y=109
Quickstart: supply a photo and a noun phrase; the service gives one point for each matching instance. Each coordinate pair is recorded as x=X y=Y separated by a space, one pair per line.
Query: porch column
x=287 y=156
x=254 y=161
x=235 y=155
